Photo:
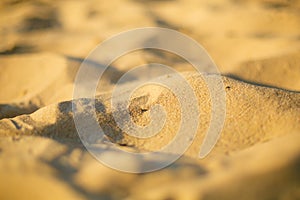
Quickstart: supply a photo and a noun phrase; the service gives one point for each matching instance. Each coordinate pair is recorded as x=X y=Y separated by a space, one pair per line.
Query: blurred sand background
x=256 y=45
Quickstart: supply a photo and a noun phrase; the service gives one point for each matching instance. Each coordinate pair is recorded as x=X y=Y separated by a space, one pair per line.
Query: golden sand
x=256 y=47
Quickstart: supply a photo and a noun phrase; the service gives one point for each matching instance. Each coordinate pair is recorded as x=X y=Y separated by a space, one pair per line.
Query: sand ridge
x=256 y=47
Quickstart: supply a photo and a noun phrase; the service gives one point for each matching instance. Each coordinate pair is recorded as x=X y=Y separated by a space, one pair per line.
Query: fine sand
x=256 y=46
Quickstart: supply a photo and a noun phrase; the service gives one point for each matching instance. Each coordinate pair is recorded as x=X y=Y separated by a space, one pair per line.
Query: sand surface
x=256 y=46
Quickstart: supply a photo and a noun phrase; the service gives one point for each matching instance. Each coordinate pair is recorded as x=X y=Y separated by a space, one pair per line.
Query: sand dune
x=256 y=47
x=250 y=115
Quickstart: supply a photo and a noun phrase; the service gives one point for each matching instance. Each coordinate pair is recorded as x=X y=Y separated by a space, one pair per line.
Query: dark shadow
x=111 y=73
x=66 y=173
x=13 y=110
x=19 y=49
x=103 y=118
x=276 y=5
x=158 y=20
x=162 y=23
x=196 y=168
x=46 y=19
x=37 y=23
x=90 y=62
x=162 y=56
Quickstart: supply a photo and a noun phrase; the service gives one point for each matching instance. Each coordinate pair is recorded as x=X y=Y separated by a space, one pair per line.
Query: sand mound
x=250 y=115
x=42 y=79
x=256 y=47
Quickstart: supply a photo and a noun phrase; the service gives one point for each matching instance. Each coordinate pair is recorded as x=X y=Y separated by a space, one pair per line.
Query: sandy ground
x=256 y=46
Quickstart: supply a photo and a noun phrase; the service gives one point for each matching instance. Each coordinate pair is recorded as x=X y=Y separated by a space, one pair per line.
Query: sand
x=256 y=47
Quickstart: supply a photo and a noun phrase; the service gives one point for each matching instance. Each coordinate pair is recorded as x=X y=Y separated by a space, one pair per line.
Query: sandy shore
x=255 y=45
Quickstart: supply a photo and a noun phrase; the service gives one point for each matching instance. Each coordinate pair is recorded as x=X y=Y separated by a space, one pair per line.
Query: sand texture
x=256 y=46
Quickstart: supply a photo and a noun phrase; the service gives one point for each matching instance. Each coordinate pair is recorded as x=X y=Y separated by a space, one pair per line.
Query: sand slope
x=256 y=47
x=251 y=113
